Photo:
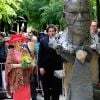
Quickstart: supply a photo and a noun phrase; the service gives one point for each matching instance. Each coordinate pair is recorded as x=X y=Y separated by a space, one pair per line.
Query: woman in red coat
x=17 y=77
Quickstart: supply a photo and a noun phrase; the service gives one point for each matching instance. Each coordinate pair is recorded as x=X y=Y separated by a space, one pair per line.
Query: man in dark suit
x=48 y=61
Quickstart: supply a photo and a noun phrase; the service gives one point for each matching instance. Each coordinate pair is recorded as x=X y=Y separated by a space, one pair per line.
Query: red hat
x=15 y=38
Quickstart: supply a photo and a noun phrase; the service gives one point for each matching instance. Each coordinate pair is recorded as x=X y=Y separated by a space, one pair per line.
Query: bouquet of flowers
x=26 y=61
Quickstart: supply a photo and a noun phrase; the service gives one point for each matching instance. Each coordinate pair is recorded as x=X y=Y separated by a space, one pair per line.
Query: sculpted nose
x=80 y=17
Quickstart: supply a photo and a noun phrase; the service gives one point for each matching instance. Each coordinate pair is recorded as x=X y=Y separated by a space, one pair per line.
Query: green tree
x=8 y=9
x=93 y=9
x=39 y=12
x=53 y=13
x=98 y=12
x=42 y=12
x=31 y=10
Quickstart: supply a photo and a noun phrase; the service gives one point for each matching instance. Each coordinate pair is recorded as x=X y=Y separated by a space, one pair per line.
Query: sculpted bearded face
x=77 y=15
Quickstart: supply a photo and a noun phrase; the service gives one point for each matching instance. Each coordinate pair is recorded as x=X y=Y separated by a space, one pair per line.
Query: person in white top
x=95 y=60
x=93 y=32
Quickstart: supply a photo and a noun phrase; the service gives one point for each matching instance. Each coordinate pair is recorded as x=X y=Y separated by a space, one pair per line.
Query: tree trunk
x=98 y=12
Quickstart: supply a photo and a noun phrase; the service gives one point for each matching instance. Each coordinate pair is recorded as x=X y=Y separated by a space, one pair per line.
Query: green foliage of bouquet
x=26 y=61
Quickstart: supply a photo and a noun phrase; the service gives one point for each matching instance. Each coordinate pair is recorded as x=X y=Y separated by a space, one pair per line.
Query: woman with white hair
x=30 y=46
x=34 y=39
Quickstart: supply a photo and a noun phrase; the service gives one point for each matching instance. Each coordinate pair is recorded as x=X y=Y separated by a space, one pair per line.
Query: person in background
x=48 y=62
x=17 y=76
x=93 y=27
x=3 y=55
x=98 y=35
x=33 y=33
x=11 y=33
x=31 y=48
x=94 y=61
x=98 y=85
x=36 y=40
x=6 y=39
x=93 y=32
x=42 y=35
x=29 y=44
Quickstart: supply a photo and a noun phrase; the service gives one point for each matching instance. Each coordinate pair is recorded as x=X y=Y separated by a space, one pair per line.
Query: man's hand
x=42 y=71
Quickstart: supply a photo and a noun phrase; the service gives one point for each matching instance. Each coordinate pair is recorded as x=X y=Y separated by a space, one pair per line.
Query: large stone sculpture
x=77 y=15
x=74 y=46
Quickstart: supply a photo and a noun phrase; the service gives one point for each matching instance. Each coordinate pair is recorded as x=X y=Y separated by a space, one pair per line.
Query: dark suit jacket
x=47 y=57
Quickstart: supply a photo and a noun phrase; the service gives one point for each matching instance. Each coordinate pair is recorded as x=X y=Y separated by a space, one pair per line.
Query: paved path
x=39 y=97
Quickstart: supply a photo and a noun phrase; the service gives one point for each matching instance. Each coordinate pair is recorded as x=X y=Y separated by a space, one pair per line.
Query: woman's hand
x=15 y=65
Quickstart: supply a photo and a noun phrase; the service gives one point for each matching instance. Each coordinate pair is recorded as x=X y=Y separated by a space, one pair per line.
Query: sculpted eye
x=74 y=13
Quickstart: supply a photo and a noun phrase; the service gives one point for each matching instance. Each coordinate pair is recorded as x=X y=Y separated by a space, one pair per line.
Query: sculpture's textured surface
x=77 y=15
